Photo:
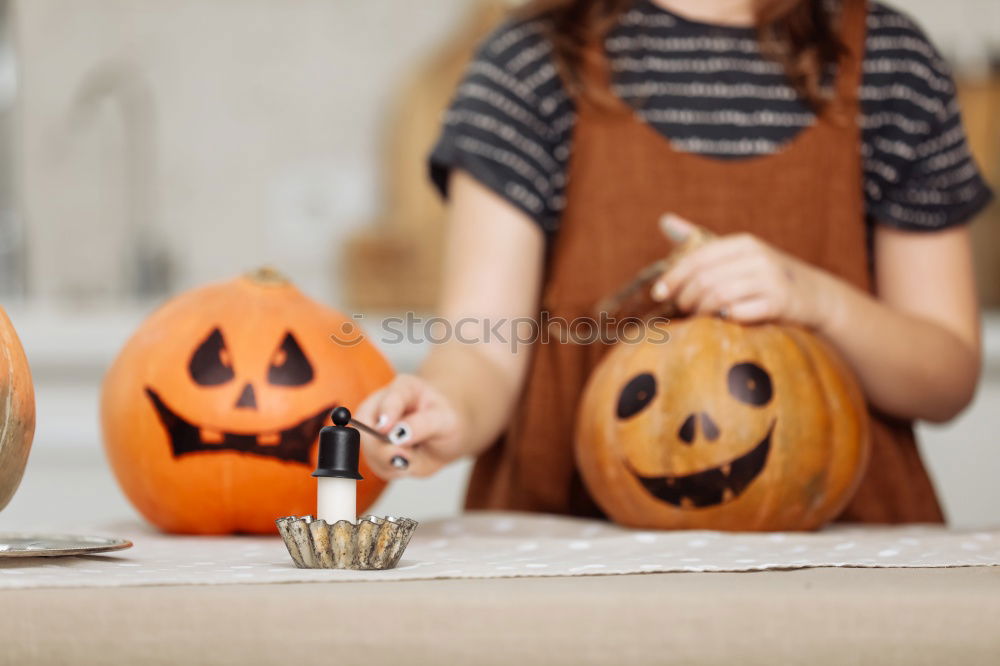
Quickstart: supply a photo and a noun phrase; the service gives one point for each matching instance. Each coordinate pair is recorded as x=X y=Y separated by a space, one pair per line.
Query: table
x=815 y=616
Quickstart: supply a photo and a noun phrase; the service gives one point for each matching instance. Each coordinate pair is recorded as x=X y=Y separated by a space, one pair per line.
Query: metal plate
x=56 y=545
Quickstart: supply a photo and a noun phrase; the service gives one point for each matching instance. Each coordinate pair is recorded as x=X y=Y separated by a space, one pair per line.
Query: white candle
x=336 y=499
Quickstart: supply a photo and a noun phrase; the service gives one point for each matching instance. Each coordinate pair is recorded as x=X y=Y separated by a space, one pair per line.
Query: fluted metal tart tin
x=371 y=543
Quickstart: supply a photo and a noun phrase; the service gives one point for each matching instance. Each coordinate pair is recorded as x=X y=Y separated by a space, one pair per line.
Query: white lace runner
x=494 y=545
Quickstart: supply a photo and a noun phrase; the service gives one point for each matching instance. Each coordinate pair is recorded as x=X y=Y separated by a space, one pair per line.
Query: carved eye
x=289 y=365
x=750 y=383
x=638 y=393
x=210 y=365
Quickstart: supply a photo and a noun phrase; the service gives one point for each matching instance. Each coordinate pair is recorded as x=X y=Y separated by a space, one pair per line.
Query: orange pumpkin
x=709 y=424
x=212 y=410
x=17 y=410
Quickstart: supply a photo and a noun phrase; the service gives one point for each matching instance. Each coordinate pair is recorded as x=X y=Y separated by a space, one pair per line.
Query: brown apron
x=806 y=199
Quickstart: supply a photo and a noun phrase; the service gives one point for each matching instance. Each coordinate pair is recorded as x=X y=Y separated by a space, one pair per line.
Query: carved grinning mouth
x=711 y=486
x=292 y=444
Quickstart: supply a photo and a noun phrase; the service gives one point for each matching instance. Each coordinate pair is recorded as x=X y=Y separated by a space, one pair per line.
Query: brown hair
x=797 y=33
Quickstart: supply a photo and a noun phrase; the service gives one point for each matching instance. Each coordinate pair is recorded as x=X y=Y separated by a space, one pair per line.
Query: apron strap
x=594 y=91
x=853 y=31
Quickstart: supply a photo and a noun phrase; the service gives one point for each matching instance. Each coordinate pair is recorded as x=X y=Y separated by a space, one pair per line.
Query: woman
x=820 y=141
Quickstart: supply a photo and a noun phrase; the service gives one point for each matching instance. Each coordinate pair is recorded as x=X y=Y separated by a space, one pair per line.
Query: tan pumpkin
x=17 y=410
x=212 y=410
x=715 y=425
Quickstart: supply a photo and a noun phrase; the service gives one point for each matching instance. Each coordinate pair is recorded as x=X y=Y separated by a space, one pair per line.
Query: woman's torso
x=805 y=189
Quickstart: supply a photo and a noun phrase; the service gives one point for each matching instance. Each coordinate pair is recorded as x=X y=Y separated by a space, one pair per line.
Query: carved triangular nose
x=247 y=398
x=708 y=427
x=689 y=429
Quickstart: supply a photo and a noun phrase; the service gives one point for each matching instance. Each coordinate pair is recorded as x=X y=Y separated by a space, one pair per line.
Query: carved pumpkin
x=212 y=410
x=17 y=410
x=709 y=424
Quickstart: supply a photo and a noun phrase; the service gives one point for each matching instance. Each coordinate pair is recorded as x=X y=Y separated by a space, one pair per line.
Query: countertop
x=815 y=616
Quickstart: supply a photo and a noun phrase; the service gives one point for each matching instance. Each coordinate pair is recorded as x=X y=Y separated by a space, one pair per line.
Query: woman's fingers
x=408 y=404
x=716 y=285
x=714 y=253
x=380 y=455
x=721 y=250
x=422 y=425
x=382 y=410
x=367 y=411
x=417 y=461
x=431 y=425
x=722 y=297
x=753 y=310
x=375 y=457
x=400 y=397
x=676 y=228
x=420 y=463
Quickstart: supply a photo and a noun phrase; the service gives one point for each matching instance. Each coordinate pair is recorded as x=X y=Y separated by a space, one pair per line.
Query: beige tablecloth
x=498 y=545
x=909 y=617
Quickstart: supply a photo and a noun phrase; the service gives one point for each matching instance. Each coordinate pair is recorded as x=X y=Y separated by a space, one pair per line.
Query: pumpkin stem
x=268 y=276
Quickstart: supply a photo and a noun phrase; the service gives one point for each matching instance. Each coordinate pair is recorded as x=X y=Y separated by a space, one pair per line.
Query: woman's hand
x=742 y=278
x=432 y=421
x=915 y=348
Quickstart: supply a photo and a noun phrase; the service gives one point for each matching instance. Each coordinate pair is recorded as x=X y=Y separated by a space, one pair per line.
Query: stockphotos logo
x=517 y=333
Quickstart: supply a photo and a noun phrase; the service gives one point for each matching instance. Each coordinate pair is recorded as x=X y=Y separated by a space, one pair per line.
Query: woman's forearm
x=908 y=366
x=492 y=279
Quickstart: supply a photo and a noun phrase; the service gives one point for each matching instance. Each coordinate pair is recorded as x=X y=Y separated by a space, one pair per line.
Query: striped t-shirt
x=709 y=90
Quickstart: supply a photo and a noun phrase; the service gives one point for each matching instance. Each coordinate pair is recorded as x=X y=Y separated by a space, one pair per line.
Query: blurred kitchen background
x=149 y=146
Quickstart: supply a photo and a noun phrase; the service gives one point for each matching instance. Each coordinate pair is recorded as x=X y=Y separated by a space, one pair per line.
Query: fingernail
x=660 y=291
x=382 y=420
x=400 y=434
x=675 y=227
x=399 y=462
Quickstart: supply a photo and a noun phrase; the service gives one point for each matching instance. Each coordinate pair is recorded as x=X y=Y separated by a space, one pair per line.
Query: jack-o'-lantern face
x=734 y=465
x=211 y=369
x=212 y=411
x=721 y=426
